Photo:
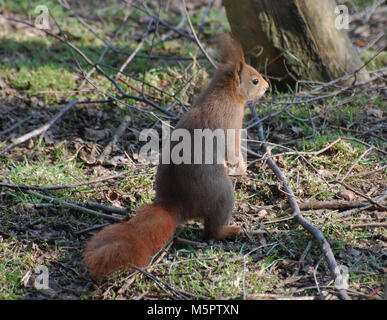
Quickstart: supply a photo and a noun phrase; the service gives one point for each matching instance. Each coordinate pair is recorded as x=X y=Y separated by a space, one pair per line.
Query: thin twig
x=367 y=173
x=191 y=243
x=92 y=228
x=40 y=130
x=99 y=69
x=134 y=53
x=16 y=125
x=315 y=278
x=200 y=29
x=369 y=224
x=130 y=58
x=73 y=206
x=355 y=163
x=364 y=143
x=119 y=132
x=179 y=26
x=162 y=284
x=93 y=69
x=196 y=37
x=162 y=22
x=106 y=208
x=131 y=86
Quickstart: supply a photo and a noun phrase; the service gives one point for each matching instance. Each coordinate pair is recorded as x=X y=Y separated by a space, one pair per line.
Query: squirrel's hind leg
x=216 y=222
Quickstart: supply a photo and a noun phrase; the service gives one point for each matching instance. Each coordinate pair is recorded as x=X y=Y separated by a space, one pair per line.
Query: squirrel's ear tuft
x=230 y=49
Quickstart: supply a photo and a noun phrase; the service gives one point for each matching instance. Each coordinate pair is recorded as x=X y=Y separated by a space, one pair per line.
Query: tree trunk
x=299 y=39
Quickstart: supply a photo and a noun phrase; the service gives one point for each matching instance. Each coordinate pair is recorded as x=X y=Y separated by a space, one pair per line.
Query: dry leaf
x=262 y=213
x=374 y=113
x=95 y=135
x=346 y=194
x=360 y=43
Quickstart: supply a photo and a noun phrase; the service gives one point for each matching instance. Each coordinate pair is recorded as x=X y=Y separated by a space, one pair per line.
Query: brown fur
x=188 y=190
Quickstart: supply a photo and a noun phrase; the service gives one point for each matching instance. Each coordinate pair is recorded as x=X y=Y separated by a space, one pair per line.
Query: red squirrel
x=186 y=191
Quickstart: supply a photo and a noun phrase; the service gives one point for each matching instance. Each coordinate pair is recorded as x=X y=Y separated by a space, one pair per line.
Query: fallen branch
x=369 y=224
x=106 y=208
x=40 y=130
x=332 y=205
x=74 y=206
x=296 y=213
x=351 y=212
x=16 y=125
x=187 y=242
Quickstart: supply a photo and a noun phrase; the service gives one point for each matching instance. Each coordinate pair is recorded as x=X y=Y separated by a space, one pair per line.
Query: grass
x=10 y=270
x=39 y=72
x=32 y=61
x=45 y=172
x=191 y=270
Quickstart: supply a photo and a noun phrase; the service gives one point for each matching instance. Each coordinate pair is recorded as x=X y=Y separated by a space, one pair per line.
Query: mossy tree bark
x=297 y=36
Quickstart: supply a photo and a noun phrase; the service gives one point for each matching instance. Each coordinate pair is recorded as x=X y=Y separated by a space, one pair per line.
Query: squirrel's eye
x=255 y=81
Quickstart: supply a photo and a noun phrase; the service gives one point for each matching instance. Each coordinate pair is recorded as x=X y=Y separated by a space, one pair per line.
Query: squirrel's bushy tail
x=132 y=242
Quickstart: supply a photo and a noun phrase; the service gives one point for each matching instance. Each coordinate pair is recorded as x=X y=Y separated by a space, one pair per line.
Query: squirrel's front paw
x=239 y=170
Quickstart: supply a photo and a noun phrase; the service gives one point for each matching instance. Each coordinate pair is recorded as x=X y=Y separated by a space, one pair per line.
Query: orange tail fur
x=134 y=242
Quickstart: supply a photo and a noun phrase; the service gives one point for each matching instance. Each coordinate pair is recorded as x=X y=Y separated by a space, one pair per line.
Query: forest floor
x=331 y=149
